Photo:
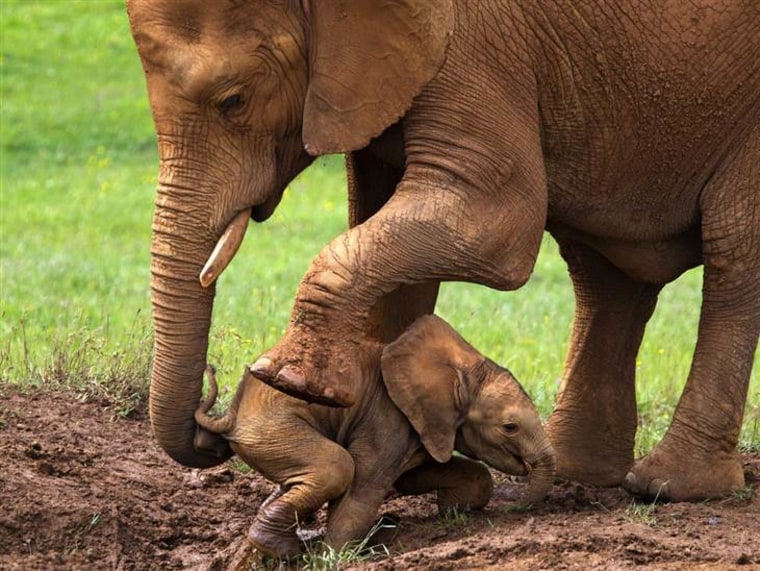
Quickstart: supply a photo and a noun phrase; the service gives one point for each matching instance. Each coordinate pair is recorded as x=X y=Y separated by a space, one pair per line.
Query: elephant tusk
x=225 y=249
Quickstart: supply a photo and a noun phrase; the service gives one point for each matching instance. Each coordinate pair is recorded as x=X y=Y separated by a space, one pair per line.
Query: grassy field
x=78 y=169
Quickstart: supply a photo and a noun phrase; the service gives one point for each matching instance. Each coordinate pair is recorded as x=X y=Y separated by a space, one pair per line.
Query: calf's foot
x=274 y=544
x=274 y=530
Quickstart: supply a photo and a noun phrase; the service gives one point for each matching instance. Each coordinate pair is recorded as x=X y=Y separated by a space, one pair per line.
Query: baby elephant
x=436 y=394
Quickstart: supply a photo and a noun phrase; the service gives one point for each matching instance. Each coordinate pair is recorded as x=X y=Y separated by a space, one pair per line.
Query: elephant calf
x=437 y=395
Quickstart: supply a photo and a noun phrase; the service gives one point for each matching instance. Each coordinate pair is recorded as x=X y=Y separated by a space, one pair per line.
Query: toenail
x=262 y=367
x=658 y=487
x=292 y=377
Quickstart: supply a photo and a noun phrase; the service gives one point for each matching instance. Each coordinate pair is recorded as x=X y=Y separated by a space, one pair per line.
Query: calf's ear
x=426 y=371
x=368 y=61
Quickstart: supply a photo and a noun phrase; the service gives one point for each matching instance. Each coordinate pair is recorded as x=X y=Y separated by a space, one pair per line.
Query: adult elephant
x=629 y=130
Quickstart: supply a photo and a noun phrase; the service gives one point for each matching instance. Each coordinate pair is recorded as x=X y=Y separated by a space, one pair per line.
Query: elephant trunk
x=542 y=467
x=181 y=318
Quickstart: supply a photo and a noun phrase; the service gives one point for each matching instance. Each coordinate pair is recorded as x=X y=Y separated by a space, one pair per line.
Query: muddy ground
x=80 y=489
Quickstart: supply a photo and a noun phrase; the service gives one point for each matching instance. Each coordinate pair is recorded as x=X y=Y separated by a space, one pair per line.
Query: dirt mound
x=81 y=490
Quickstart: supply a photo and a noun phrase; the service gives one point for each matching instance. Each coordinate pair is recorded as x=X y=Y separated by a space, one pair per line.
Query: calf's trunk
x=542 y=470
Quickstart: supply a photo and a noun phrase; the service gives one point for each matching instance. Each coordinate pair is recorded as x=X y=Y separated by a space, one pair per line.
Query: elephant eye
x=231 y=103
x=511 y=428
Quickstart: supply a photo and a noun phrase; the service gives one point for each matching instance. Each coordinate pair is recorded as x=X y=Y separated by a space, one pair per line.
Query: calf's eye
x=511 y=428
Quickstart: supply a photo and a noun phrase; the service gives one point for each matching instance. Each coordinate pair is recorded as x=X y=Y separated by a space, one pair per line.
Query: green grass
x=638 y=512
x=322 y=557
x=78 y=165
x=453 y=518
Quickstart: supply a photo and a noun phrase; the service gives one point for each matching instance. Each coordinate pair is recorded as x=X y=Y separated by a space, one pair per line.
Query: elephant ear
x=369 y=60
x=426 y=371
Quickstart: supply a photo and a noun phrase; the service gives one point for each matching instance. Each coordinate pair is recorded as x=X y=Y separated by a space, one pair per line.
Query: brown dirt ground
x=81 y=490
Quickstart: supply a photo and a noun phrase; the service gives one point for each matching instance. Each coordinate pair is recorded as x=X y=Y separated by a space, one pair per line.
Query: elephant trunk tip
x=206 y=450
x=209 y=430
x=542 y=471
x=195 y=445
x=213 y=392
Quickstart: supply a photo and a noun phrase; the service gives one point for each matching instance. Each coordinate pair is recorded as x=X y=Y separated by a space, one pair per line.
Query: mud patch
x=81 y=490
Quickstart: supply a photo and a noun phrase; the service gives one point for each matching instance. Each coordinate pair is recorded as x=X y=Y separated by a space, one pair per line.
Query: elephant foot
x=274 y=531
x=589 y=454
x=310 y=369
x=274 y=544
x=245 y=556
x=680 y=474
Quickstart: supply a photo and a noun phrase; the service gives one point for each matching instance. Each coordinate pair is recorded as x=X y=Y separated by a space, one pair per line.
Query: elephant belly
x=650 y=261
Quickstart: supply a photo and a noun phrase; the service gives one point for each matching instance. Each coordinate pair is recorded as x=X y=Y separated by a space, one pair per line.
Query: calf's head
x=457 y=399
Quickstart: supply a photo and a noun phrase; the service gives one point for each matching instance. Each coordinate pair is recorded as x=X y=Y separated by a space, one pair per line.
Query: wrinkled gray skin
x=630 y=130
x=438 y=394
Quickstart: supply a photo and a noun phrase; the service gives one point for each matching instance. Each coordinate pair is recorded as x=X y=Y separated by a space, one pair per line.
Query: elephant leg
x=372 y=179
x=593 y=425
x=435 y=227
x=352 y=516
x=378 y=460
x=309 y=482
x=464 y=210
x=460 y=483
x=697 y=457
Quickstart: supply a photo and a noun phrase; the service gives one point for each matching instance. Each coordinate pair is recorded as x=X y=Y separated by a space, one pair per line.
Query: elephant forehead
x=488 y=409
x=505 y=391
x=192 y=66
x=172 y=37
x=190 y=20
x=502 y=402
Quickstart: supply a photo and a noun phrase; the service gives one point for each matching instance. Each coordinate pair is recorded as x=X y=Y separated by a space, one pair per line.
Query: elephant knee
x=339 y=473
x=481 y=483
x=472 y=490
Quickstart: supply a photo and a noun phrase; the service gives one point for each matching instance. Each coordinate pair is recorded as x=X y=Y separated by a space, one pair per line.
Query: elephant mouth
x=262 y=211
x=518 y=465
x=522 y=467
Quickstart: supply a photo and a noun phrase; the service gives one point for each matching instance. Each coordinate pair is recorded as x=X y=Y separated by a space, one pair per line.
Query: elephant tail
x=221 y=424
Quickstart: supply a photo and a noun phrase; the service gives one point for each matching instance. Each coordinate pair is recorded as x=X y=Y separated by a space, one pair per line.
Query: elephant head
x=239 y=92
x=456 y=399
